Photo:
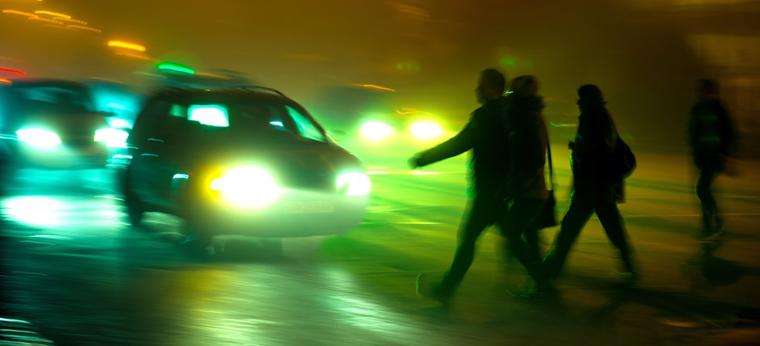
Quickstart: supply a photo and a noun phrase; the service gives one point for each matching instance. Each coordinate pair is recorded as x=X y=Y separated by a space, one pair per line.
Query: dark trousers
x=599 y=200
x=711 y=220
x=514 y=221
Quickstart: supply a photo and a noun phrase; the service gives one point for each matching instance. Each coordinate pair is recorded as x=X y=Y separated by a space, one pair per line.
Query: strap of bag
x=549 y=155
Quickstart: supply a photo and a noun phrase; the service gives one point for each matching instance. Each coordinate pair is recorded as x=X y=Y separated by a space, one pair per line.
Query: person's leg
x=480 y=216
x=576 y=217
x=612 y=222
x=516 y=223
x=533 y=242
x=707 y=201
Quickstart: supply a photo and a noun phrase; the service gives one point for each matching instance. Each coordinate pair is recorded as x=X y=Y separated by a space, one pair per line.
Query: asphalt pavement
x=74 y=272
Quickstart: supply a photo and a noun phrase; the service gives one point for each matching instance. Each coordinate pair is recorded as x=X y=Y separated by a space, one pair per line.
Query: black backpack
x=622 y=161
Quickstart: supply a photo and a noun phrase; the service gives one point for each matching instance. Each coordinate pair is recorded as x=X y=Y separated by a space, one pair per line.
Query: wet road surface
x=74 y=272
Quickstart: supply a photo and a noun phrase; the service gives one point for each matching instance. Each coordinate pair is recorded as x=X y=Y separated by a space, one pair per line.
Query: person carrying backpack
x=600 y=163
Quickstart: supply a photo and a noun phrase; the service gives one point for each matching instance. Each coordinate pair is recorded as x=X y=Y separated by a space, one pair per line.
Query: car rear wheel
x=135 y=209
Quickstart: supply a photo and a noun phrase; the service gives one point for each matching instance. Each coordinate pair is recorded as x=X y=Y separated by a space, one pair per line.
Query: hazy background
x=644 y=54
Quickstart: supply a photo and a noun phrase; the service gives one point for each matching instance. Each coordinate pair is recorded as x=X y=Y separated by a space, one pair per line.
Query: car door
x=172 y=148
x=146 y=145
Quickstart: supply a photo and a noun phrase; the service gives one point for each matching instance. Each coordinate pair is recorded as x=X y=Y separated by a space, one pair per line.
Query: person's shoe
x=435 y=292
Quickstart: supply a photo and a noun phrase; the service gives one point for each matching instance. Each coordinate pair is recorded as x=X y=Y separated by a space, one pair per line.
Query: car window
x=305 y=126
x=214 y=115
x=149 y=122
x=52 y=99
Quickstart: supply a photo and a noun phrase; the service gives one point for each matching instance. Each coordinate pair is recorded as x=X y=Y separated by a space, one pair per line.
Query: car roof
x=226 y=92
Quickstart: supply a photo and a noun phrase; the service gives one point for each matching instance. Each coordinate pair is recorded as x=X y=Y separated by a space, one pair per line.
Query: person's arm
x=454 y=146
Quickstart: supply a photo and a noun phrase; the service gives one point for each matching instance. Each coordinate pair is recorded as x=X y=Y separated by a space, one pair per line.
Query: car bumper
x=295 y=214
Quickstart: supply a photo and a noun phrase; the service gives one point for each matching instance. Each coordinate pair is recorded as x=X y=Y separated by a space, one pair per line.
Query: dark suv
x=240 y=161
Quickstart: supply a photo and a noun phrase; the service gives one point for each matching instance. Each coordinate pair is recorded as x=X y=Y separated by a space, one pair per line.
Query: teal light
x=209 y=115
x=171 y=67
x=112 y=137
x=39 y=138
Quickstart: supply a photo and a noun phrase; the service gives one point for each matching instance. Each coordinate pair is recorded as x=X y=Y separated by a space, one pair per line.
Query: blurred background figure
x=713 y=140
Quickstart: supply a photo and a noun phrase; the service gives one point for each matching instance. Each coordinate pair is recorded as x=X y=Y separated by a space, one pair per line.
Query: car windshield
x=253 y=115
x=52 y=98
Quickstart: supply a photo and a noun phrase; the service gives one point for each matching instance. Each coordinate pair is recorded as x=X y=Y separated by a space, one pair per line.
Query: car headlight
x=38 y=137
x=376 y=131
x=426 y=130
x=247 y=187
x=354 y=184
x=111 y=137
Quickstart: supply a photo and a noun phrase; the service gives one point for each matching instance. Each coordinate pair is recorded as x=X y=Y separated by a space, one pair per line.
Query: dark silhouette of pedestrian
x=493 y=154
x=595 y=189
x=712 y=138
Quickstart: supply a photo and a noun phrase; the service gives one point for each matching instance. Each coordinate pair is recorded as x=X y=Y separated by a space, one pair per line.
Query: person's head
x=589 y=95
x=707 y=89
x=490 y=85
x=524 y=86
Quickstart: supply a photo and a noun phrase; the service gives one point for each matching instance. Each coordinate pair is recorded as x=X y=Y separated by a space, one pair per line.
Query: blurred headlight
x=247 y=187
x=376 y=131
x=118 y=123
x=38 y=137
x=111 y=137
x=354 y=184
x=426 y=130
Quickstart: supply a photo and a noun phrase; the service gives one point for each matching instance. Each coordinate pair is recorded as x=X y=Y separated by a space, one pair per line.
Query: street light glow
x=126 y=45
x=57 y=15
x=376 y=131
x=426 y=130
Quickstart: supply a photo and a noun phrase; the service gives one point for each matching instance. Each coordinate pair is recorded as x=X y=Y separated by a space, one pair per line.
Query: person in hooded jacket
x=594 y=189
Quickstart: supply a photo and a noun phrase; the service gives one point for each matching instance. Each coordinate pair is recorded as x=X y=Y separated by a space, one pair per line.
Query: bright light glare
x=118 y=123
x=209 y=115
x=35 y=211
x=426 y=130
x=126 y=45
x=247 y=187
x=376 y=131
x=111 y=137
x=39 y=138
x=354 y=183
